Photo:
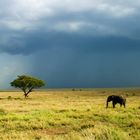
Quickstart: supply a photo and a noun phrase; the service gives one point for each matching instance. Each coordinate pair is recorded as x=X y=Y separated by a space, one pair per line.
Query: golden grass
x=69 y=115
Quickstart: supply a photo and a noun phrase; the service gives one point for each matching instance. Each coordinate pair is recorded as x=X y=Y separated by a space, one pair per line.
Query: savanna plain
x=69 y=114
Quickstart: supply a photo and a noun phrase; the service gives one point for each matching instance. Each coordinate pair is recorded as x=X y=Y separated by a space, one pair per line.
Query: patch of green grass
x=2 y=111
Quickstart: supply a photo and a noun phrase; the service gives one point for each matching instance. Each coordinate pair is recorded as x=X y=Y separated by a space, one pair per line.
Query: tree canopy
x=27 y=83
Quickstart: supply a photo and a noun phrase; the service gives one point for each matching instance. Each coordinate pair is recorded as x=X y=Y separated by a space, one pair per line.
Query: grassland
x=69 y=115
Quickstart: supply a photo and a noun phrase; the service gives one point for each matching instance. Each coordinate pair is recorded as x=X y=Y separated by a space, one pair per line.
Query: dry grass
x=69 y=115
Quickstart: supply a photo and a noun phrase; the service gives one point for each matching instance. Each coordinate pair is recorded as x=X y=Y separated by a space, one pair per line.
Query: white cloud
x=22 y=14
x=69 y=26
x=115 y=10
x=90 y=28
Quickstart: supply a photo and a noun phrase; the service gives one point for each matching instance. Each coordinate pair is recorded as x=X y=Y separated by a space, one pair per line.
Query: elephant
x=116 y=99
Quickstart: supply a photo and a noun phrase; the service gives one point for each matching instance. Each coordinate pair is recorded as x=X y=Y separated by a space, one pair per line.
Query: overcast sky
x=71 y=43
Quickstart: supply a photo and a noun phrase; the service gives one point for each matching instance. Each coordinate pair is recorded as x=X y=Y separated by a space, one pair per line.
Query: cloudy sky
x=71 y=43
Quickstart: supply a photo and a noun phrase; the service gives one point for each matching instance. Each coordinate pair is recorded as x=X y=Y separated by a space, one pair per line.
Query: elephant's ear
x=112 y=96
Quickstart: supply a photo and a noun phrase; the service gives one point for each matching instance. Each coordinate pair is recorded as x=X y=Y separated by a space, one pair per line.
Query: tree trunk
x=27 y=92
x=25 y=95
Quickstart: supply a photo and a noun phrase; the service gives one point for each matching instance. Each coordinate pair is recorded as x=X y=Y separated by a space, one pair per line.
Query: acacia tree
x=27 y=83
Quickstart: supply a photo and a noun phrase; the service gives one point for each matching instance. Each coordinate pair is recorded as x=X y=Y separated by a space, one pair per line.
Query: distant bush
x=126 y=94
x=73 y=89
x=9 y=97
x=133 y=94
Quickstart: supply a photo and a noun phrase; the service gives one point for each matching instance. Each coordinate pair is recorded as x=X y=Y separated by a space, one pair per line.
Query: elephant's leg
x=113 y=103
x=120 y=104
x=124 y=105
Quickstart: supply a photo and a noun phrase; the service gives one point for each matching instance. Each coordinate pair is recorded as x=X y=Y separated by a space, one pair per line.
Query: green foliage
x=27 y=83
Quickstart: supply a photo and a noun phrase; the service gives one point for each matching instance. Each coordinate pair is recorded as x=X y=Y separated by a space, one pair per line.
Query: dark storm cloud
x=81 y=43
x=93 y=31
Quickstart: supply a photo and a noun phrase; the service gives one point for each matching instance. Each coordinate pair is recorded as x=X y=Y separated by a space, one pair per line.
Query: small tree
x=27 y=83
